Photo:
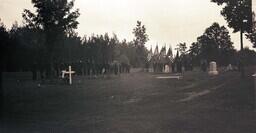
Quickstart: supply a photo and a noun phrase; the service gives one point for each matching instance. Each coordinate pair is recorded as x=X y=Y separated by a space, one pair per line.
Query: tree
x=140 y=34
x=28 y=47
x=194 y=49
x=4 y=47
x=4 y=39
x=238 y=15
x=252 y=36
x=250 y=56
x=180 y=56
x=71 y=51
x=182 y=48
x=55 y=19
x=194 y=52
x=215 y=44
x=221 y=39
x=140 y=40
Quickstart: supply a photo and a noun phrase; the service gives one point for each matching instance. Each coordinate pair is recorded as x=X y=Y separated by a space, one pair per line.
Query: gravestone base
x=213 y=73
x=151 y=70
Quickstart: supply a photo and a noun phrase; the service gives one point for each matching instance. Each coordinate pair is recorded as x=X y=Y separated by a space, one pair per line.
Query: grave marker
x=229 y=68
x=69 y=72
x=213 y=69
x=166 y=69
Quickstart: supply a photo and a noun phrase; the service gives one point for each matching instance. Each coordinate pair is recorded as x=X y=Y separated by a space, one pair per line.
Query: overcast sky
x=167 y=21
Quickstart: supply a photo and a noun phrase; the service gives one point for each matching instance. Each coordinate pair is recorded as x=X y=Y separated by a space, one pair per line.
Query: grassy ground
x=133 y=103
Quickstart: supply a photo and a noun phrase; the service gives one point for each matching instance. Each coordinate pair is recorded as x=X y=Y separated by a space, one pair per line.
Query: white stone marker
x=166 y=69
x=213 y=69
x=69 y=72
x=229 y=68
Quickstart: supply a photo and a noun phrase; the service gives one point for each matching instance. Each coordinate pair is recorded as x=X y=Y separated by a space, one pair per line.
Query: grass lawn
x=133 y=103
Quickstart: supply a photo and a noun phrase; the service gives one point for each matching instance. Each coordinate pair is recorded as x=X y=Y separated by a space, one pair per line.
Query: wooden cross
x=69 y=72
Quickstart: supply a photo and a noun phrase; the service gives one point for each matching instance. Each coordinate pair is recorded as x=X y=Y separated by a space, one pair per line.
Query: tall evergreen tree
x=140 y=34
x=140 y=40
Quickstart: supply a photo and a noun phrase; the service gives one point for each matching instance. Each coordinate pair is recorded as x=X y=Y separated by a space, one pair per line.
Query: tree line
x=48 y=41
x=24 y=48
x=214 y=45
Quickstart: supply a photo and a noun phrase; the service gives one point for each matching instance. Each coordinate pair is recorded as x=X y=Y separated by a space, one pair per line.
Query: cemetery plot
x=129 y=102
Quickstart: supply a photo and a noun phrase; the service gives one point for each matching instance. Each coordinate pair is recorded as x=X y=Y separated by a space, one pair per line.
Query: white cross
x=70 y=72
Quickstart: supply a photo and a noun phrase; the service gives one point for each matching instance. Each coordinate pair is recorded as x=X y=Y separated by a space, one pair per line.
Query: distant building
x=160 y=61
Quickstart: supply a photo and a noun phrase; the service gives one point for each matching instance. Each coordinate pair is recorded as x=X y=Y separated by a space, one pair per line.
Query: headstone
x=166 y=69
x=229 y=68
x=213 y=69
x=63 y=74
x=103 y=71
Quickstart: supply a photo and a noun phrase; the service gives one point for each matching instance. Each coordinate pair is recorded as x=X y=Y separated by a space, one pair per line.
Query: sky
x=168 y=22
